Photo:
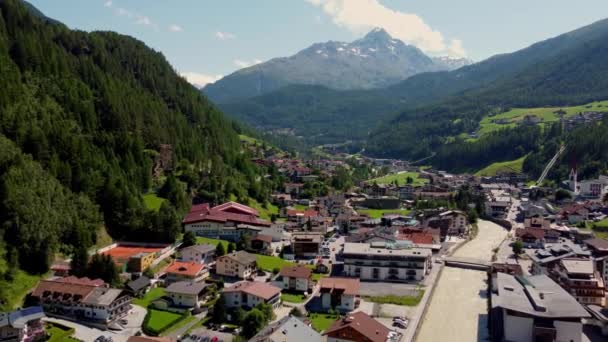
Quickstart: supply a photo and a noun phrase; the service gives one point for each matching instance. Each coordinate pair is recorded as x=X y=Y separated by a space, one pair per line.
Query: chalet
x=306 y=245
x=294 y=189
x=339 y=293
x=574 y=213
x=236 y=264
x=579 y=277
x=187 y=293
x=536 y=238
x=357 y=327
x=290 y=329
x=295 y=278
x=82 y=299
x=537 y=223
x=186 y=271
x=262 y=244
x=207 y=221
x=248 y=294
x=139 y=286
x=202 y=254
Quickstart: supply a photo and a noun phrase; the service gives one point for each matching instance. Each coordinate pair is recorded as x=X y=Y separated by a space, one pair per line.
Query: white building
x=202 y=254
x=186 y=294
x=534 y=308
x=381 y=261
x=339 y=293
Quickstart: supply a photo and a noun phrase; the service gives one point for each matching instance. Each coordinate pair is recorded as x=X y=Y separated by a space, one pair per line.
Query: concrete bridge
x=470 y=263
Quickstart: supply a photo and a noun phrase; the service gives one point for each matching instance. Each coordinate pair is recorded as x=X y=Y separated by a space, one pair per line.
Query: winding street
x=458 y=308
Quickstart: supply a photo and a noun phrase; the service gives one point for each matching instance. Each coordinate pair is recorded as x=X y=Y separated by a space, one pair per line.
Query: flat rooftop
x=367 y=249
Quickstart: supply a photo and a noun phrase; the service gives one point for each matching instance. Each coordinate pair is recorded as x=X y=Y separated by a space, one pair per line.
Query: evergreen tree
x=219 y=250
x=253 y=321
x=79 y=262
x=219 y=311
x=231 y=248
x=189 y=239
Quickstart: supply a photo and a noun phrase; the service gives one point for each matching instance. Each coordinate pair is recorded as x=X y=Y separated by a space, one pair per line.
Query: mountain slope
x=420 y=112
x=374 y=61
x=92 y=110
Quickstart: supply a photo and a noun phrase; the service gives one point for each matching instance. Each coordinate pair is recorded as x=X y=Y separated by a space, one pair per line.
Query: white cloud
x=224 y=35
x=108 y=3
x=360 y=16
x=244 y=64
x=123 y=12
x=200 y=80
x=143 y=20
x=175 y=28
x=456 y=49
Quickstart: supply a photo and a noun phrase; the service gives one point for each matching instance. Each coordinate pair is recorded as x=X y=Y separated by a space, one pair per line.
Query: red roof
x=298 y=271
x=365 y=325
x=227 y=212
x=537 y=233
x=417 y=238
x=190 y=269
x=81 y=281
x=305 y=213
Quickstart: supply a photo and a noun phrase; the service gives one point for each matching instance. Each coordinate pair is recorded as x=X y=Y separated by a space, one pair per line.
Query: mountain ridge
x=373 y=61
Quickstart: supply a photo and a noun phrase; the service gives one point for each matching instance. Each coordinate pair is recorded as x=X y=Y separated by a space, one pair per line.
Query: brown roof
x=242 y=257
x=190 y=269
x=263 y=237
x=53 y=288
x=350 y=286
x=370 y=328
x=298 y=271
x=255 y=288
x=538 y=233
x=598 y=244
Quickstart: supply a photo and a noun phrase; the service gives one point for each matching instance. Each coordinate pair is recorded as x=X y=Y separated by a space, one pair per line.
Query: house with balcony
x=202 y=254
x=239 y=264
x=295 y=278
x=82 y=299
x=339 y=293
x=534 y=308
x=186 y=271
x=22 y=325
x=386 y=262
x=358 y=327
x=579 y=277
x=306 y=245
x=186 y=293
x=248 y=294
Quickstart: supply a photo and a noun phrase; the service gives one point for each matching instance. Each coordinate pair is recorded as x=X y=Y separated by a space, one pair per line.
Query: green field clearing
x=507 y=166
x=149 y=297
x=17 y=289
x=160 y=320
x=58 y=333
x=201 y=240
x=378 y=213
x=152 y=202
x=397 y=300
x=401 y=179
x=547 y=114
x=265 y=213
x=321 y=322
x=293 y=297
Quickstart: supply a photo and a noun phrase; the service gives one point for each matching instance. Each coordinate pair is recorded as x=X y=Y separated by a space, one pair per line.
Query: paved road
x=458 y=308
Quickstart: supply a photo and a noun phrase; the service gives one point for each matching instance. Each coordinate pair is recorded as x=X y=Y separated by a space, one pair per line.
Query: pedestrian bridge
x=470 y=263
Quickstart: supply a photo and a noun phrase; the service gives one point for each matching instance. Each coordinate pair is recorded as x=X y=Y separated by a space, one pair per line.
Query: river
x=458 y=309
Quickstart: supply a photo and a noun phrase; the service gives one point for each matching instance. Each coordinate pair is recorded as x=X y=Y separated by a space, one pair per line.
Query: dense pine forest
x=82 y=119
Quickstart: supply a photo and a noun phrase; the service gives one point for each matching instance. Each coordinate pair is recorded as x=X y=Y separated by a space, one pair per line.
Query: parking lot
x=385 y=289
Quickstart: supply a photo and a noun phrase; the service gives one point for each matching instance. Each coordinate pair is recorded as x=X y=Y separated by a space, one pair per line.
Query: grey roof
x=241 y=257
x=536 y=296
x=187 y=287
x=578 y=266
x=203 y=248
x=19 y=318
x=367 y=249
x=139 y=283
x=290 y=329
x=102 y=296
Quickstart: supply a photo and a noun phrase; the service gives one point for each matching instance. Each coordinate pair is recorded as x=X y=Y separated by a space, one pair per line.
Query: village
x=374 y=263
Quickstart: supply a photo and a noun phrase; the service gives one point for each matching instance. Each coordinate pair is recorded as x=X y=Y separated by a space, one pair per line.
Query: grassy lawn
x=401 y=178
x=318 y=276
x=293 y=297
x=159 y=320
x=161 y=265
x=247 y=139
x=378 y=213
x=58 y=333
x=265 y=213
x=151 y=296
x=547 y=114
x=601 y=224
x=398 y=300
x=18 y=287
x=269 y=263
x=300 y=207
x=321 y=322
x=507 y=166
x=152 y=202
x=181 y=323
x=201 y=240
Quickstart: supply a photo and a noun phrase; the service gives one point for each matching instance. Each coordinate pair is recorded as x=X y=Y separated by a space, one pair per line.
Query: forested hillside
x=82 y=116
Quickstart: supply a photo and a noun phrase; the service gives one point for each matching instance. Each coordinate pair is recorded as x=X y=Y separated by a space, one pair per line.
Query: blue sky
x=205 y=39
